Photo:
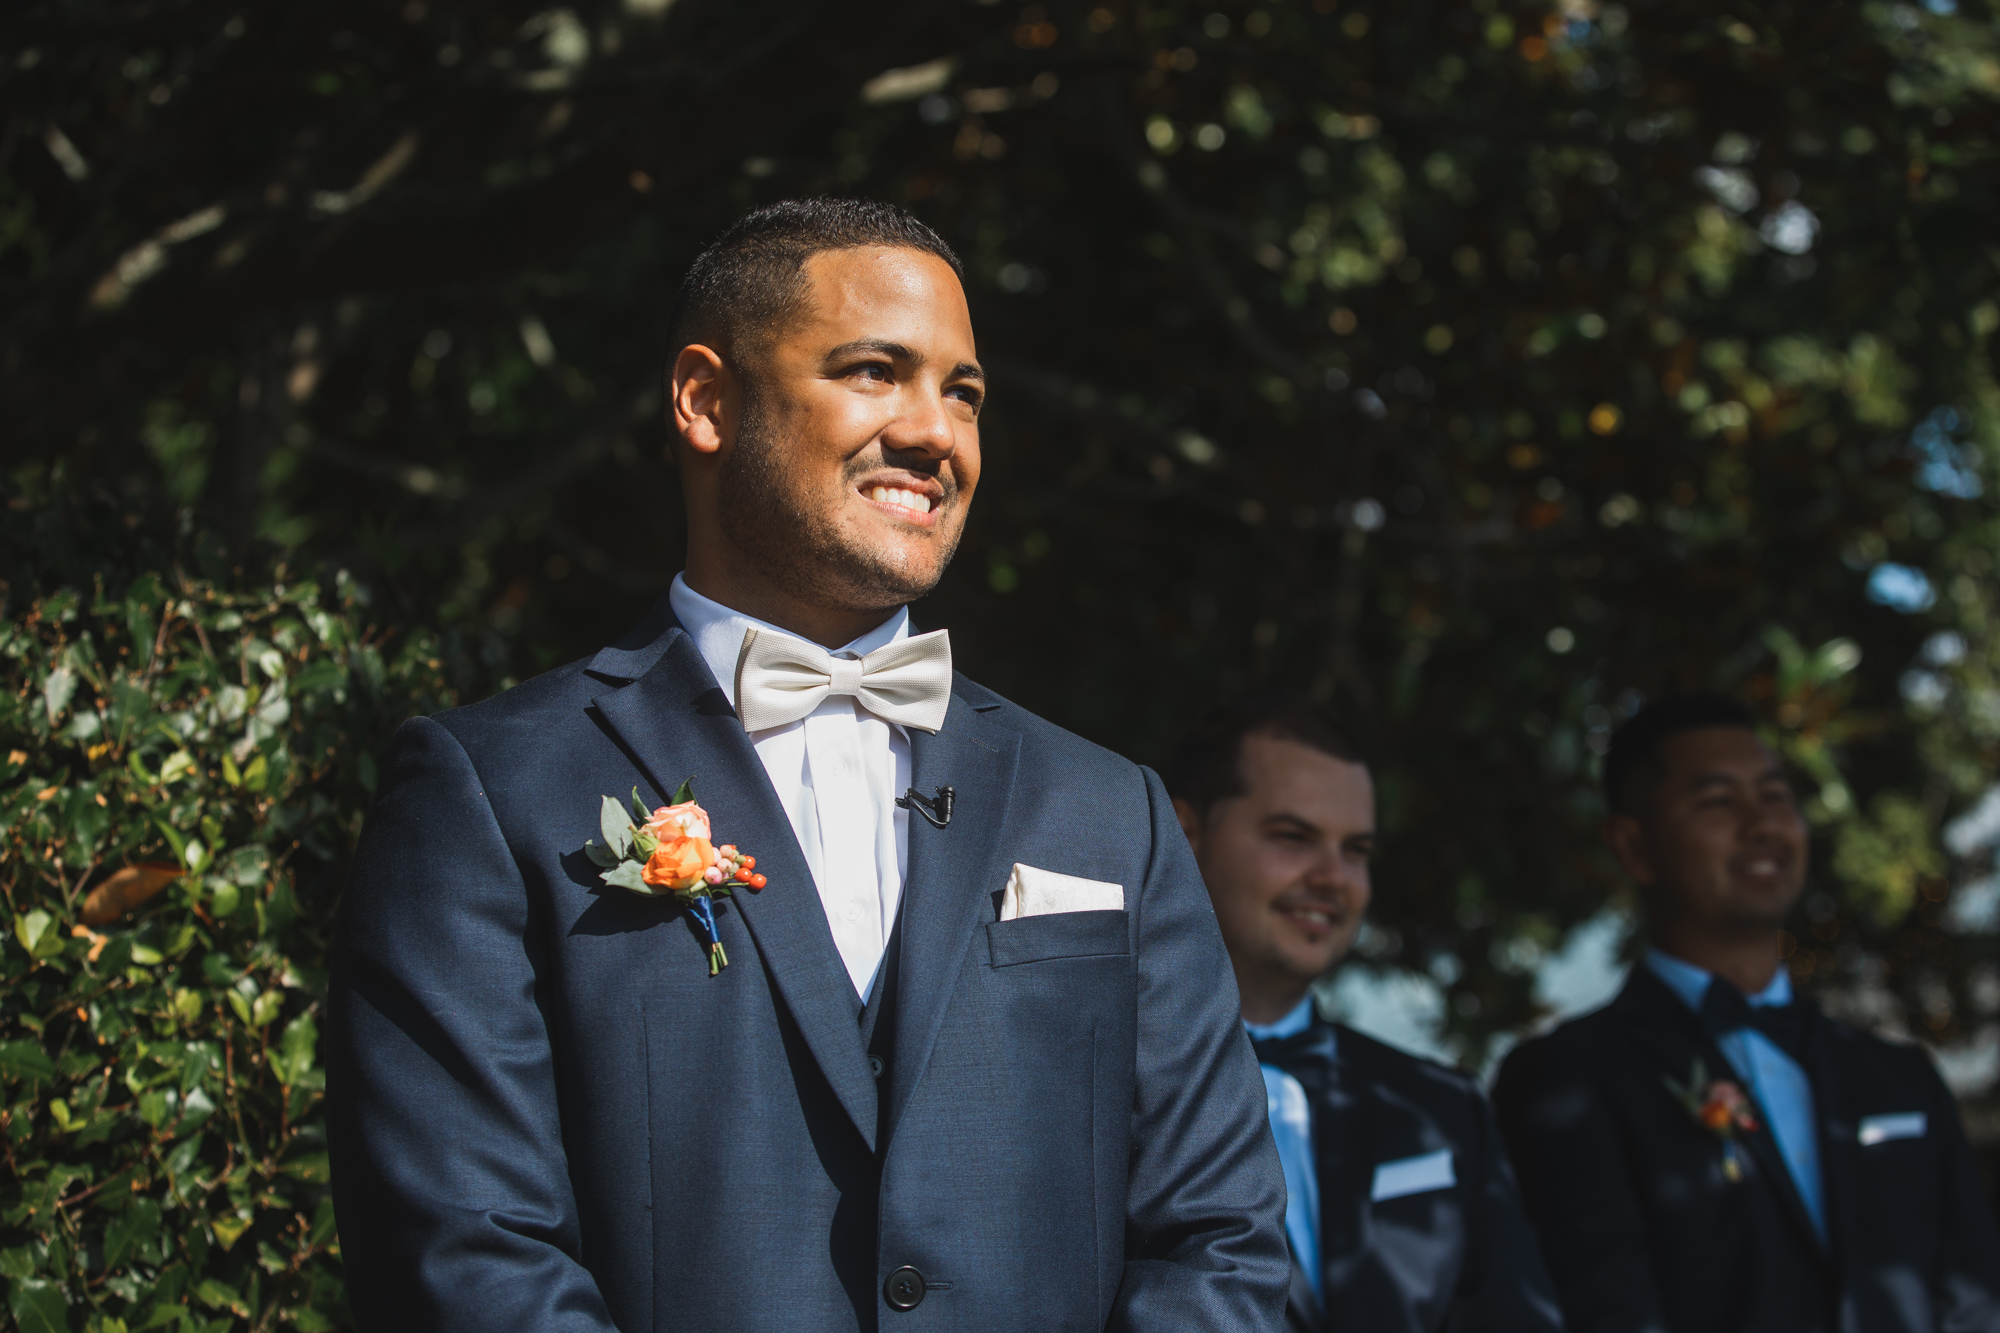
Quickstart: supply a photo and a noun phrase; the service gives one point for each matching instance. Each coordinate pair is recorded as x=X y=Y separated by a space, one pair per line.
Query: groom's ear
x=698 y=401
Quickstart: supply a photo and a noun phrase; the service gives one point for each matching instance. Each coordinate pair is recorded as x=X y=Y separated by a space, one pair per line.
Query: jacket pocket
x=1035 y=939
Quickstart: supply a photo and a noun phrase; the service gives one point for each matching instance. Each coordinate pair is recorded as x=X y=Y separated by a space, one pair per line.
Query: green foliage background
x=1479 y=366
x=166 y=1159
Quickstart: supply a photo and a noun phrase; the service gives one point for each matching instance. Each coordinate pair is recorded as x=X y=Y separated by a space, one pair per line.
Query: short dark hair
x=751 y=278
x=1208 y=766
x=1635 y=755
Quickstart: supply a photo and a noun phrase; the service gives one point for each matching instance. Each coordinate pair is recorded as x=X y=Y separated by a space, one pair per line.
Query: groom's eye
x=879 y=371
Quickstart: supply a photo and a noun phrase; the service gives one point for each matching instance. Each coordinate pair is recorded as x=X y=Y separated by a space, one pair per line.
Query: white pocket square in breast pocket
x=1897 y=1125
x=1413 y=1175
x=1033 y=892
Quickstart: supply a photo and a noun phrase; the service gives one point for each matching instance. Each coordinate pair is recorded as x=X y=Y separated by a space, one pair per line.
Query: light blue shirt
x=1777 y=1083
x=1291 y=1125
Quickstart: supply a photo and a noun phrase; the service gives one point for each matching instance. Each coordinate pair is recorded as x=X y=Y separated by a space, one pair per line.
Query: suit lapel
x=1344 y=1156
x=1674 y=1034
x=675 y=722
x=952 y=875
x=1839 y=1141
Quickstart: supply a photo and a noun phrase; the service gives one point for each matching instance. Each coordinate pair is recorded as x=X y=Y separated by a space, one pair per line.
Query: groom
x=973 y=1062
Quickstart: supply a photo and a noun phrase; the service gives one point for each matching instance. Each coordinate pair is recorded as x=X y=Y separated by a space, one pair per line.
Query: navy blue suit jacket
x=545 y=1115
x=1643 y=1228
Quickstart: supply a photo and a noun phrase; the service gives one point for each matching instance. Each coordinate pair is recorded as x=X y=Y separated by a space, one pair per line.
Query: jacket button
x=875 y=1065
x=904 y=1289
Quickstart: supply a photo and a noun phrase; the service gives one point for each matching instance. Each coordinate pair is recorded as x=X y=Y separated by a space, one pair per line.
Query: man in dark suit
x=1403 y=1213
x=960 y=1053
x=1709 y=1154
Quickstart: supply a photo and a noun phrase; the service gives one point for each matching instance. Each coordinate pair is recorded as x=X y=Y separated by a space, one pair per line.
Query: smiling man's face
x=1716 y=841
x=849 y=477
x=1286 y=864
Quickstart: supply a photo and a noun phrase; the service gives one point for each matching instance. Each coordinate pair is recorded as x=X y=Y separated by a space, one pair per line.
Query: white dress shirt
x=837 y=771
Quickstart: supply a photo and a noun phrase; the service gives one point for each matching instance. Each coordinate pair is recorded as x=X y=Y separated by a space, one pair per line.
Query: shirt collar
x=717 y=632
x=1290 y=1025
x=1691 y=983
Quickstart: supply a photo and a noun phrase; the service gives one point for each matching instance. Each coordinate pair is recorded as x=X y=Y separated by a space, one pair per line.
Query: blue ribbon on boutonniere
x=668 y=853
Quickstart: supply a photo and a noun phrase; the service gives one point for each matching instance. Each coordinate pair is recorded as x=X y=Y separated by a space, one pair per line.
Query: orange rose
x=678 y=862
x=1726 y=1107
x=686 y=820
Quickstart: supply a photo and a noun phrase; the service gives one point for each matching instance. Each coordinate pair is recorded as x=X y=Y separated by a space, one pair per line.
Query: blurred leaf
x=26 y=1060
x=1883 y=858
x=137 y=1225
x=57 y=690
x=34 y=929
x=217 y=1295
x=296 y=1050
x=38 y=1306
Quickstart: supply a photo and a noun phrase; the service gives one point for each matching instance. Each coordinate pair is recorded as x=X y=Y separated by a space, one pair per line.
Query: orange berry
x=756 y=881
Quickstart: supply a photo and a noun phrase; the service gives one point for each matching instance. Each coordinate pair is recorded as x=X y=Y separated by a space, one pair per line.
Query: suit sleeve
x=1506 y=1287
x=449 y=1177
x=1967 y=1283
x=1575 y=1182
x=1205 y=1203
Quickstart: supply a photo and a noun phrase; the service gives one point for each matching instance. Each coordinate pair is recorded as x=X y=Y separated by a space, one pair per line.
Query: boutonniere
x=667 y=853
x=1721 y=1108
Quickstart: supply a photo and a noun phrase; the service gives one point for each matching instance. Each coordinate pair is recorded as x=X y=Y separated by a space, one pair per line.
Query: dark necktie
x=1724 y=1010
x=1307 y=1056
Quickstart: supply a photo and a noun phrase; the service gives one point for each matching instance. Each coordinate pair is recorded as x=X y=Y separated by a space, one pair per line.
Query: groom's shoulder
x=536 y=707
x=1053 y=749
x=547 y=706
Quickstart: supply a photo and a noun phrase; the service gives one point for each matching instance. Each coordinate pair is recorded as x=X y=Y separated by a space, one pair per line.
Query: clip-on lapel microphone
x=937 y=811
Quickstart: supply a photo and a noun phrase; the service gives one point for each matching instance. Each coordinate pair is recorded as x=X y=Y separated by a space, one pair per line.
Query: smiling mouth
x=1312 y=917
x=911 y=503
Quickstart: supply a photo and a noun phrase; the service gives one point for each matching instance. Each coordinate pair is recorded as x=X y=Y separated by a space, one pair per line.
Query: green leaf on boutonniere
x=617 y=829
x=603 y=857
x=625 y=875
x=644 y=845
x=683 y=793
x=640 y=814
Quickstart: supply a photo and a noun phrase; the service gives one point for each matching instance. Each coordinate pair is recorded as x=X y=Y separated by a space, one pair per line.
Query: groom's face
x=859 y=450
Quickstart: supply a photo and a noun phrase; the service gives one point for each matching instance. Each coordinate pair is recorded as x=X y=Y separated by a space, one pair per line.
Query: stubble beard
x=794 y=538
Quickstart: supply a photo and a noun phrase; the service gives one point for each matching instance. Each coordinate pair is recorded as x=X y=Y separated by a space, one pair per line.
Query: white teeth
x=904 y=499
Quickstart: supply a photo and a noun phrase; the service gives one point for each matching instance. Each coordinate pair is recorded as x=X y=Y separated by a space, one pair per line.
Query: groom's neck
x=829 y=627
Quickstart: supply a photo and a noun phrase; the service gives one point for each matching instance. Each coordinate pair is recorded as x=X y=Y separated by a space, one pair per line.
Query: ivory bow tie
x=780 y=679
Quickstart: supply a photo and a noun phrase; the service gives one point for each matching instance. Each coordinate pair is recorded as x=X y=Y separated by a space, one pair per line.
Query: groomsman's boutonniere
x=1721 y=1108
x=667 y=853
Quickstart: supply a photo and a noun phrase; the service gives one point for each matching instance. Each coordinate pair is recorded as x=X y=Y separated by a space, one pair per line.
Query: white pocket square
x=1033 y=892
x=1898 y=1125
x=1413 y=1175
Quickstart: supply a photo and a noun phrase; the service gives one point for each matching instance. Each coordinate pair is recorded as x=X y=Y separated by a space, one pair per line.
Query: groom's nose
x=924 y=425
